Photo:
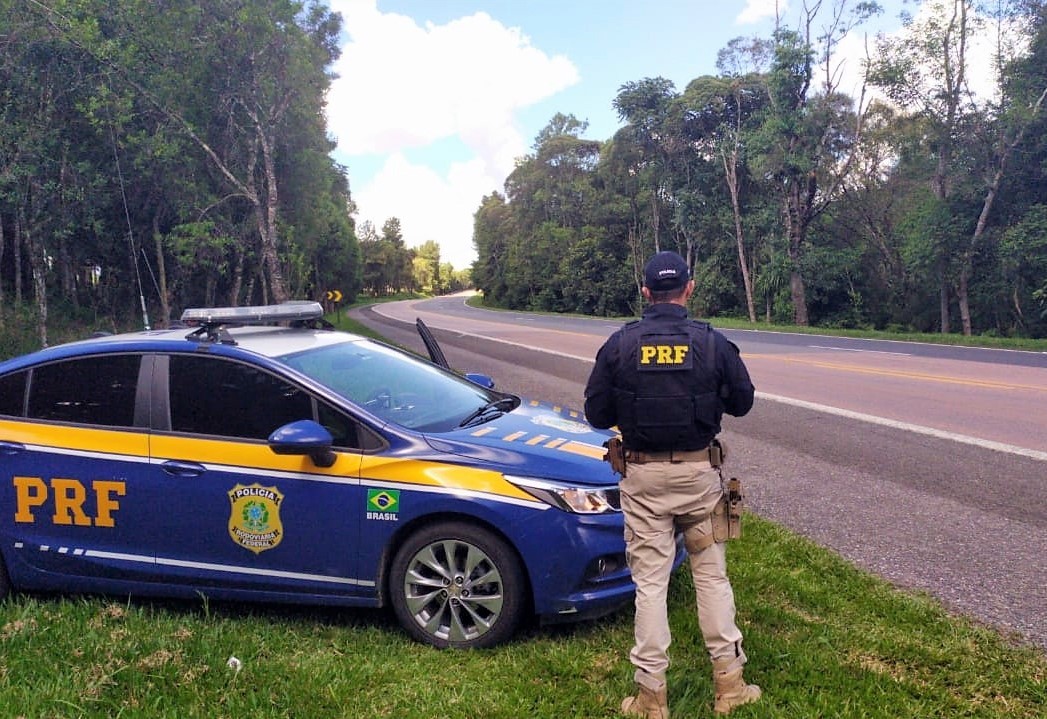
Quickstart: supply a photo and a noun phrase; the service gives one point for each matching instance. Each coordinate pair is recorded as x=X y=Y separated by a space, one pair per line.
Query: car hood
x=537 y=439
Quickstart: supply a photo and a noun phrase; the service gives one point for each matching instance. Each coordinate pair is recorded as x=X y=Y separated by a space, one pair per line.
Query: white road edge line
x=919 y=429
x=855 y=349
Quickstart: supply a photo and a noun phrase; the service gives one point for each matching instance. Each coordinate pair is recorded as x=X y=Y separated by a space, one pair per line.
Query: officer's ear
x=646 y=292
x=689 y=290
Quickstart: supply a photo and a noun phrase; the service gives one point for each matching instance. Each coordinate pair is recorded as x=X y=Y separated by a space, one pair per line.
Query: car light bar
x=253 y=315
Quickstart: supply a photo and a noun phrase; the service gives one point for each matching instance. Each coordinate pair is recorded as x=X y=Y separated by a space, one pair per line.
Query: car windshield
x=397 y=387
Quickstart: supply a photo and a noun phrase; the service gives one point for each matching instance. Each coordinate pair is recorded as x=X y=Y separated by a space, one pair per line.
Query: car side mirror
x=304 y=437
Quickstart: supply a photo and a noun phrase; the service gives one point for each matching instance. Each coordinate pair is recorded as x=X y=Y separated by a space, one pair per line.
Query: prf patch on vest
x=664 y=352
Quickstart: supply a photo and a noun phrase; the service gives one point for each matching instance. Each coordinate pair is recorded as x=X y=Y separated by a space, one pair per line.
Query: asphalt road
x=945 y=496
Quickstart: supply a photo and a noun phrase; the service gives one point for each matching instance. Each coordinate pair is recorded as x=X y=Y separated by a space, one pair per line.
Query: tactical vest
x=668 y=389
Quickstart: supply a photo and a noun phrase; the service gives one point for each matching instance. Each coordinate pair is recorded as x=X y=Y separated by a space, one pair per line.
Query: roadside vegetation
x=989 y=341
x=897 y=334
x=824 y=639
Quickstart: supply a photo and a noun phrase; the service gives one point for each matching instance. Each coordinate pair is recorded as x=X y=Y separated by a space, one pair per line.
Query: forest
x=156 y=155
x=161 y=154
x=919 y=205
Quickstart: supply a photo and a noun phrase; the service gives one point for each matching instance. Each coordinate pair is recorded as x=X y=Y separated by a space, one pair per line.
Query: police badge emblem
x=254 y=517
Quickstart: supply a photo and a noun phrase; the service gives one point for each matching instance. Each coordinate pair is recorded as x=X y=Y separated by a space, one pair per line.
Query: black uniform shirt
x=615 y=369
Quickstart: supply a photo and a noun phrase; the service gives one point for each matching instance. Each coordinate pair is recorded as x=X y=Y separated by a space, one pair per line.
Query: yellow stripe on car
x=247 y=455
x=133 y=443
x=438 y=474
x=582 y=448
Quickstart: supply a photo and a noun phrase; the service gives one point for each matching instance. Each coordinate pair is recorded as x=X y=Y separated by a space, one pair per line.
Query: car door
x=246 y=518
x=78 y=511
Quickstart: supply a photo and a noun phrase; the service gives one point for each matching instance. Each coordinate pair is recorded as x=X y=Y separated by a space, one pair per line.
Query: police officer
x=665 y=381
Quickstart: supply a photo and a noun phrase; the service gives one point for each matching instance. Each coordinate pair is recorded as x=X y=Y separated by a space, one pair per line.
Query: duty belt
x=635 y=456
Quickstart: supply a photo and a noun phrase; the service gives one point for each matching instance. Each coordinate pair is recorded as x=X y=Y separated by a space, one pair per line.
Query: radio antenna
x=127 y=218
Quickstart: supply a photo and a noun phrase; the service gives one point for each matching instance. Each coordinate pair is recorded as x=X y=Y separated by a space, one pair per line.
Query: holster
x=615 y=454
x=727 y=514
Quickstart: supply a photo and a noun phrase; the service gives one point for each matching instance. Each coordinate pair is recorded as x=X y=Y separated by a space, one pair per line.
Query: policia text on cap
x=665 y=381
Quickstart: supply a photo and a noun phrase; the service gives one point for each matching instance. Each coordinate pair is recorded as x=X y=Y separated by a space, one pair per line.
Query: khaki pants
x=657 y=499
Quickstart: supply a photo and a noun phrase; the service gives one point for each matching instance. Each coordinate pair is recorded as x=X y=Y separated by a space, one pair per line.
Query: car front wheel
x=454 y=585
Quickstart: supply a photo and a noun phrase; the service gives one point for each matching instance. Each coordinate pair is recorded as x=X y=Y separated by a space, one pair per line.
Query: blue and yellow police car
x=258 y=454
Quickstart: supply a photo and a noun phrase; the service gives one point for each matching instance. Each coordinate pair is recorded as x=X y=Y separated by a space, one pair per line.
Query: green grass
x=824 y=640
x=990 y=341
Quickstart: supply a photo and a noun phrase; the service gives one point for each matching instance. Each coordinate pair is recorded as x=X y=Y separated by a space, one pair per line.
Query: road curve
x=925 y=498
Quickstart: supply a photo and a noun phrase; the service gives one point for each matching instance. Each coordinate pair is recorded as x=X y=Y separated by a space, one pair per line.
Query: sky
x=436 y=99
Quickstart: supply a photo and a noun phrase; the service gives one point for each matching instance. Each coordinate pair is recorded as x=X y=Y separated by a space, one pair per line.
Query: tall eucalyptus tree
x=645 y=105
x=721 y=111
x=806 y=142
x=925 y=71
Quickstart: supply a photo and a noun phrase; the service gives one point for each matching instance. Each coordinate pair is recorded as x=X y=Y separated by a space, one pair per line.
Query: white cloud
x=758 y=10
x=402 y=86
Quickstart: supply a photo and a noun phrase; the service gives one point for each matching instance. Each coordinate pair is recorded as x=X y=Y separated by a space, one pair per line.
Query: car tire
x=455 y=585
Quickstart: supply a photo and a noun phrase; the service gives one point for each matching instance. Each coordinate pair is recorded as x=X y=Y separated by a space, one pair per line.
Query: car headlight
x=579 y=500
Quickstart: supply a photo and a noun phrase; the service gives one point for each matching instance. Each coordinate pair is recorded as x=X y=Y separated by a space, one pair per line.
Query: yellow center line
x=990 y=384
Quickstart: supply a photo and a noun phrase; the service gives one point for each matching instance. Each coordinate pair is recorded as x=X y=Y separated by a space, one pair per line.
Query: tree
x=493 y=231
x=388 y=265
x=198 y=130
x=42 y=177
x=1023 y=87
x=427 y=267
x=400 y=258
x=925 y=71
x=1024 y=254
x=721 y=111
x=788 y=197
x=644 y=105
x=550 y=194
x=810 y=130
x=875 y=199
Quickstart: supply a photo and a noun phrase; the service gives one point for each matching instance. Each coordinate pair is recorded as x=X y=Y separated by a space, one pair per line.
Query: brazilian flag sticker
x=383 y=504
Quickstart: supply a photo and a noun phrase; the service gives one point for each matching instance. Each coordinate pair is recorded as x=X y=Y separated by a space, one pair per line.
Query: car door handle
x=183 y=469
x=11 y=447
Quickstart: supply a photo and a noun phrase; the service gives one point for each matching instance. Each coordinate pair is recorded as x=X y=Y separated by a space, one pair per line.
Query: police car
x=258 y=454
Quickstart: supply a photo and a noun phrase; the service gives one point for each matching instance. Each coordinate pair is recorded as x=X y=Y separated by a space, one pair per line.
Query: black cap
x=665 y=271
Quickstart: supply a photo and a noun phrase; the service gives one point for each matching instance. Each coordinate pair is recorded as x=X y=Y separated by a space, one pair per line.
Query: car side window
x=211 y=395
x=346 y=432
x=87 y=390
x=12 y=393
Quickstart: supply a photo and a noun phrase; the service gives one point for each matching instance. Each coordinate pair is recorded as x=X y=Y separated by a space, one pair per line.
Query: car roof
x=263 y=340
x=261 y=336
